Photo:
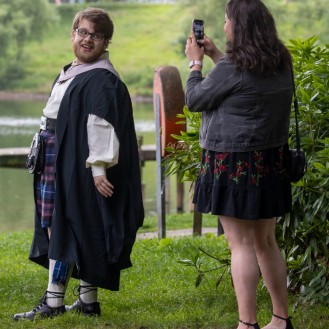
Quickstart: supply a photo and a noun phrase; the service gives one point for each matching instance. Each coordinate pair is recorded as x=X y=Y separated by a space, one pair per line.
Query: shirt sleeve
x=103 y=145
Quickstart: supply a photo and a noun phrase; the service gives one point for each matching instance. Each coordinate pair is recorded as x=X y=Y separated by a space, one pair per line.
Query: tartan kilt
x=45 y=182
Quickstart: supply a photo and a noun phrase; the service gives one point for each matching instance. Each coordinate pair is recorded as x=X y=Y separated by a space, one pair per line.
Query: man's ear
x=72 y=35
x=106 y=43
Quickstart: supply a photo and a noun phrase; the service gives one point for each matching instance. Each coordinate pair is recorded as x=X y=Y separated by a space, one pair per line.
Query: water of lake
x=19 y=121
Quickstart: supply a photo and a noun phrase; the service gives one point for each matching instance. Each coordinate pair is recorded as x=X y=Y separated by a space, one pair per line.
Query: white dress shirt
x=102 y=139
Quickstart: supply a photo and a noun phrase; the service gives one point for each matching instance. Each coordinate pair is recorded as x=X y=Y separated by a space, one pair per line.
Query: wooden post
x=167 y=193
x=168 y=96
x=168 y=85
x=141 y=163
x=161 y=212
x=180 y=197
x=197 y=222
x=197 y=217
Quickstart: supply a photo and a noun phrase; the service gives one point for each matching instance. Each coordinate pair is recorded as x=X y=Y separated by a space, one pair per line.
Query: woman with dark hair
x=245 y=103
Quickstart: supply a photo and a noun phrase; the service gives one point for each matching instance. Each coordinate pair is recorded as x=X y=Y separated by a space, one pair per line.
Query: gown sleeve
x=103 y=145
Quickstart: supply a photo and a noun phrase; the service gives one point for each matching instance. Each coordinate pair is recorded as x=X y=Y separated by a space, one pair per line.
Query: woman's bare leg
x=273 y=269
x=245 y=270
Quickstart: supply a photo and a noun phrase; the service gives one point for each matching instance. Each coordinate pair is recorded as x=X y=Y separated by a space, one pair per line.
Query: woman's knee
x=239 y=233
x=265 y=243
x=265 y=234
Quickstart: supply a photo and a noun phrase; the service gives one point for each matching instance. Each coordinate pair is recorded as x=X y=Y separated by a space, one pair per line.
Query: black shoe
x=91 y=309
x=42 y=310
x=288 y=321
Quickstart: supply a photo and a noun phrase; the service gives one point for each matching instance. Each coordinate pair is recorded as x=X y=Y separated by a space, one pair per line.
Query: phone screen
x=198 y=29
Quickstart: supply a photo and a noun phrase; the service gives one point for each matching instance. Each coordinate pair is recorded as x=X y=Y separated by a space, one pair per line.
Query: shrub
x=304 y=234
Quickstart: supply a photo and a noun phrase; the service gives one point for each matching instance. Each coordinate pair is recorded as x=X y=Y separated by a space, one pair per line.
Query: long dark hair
x=254 y=44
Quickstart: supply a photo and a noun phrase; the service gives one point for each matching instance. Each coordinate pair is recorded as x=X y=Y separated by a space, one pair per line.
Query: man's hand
x=103 y=186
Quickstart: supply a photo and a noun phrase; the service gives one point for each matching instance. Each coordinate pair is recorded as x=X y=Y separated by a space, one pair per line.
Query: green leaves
x=20 y=21
x=204 y=263
x=184 y=156
x=304 y=235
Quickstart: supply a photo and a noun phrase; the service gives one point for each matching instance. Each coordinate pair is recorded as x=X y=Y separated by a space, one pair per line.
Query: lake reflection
x=19 y=121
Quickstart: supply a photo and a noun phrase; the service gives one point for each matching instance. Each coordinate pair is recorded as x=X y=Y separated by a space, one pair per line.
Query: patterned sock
x=88 y=292
x=55 y=291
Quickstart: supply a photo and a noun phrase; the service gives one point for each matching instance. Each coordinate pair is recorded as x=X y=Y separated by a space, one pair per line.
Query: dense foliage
x=20 y=21
x=304 y=234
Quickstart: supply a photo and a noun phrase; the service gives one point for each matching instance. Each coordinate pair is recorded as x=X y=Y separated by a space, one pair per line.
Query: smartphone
x=198 y=29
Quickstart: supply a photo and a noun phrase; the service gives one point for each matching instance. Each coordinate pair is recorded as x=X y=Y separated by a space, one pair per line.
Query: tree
x=20 y=20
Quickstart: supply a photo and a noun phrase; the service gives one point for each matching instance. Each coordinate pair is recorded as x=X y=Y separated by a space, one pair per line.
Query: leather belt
x=47 y=123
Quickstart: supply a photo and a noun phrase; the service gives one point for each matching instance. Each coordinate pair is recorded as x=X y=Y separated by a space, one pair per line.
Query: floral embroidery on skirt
x=246 y=185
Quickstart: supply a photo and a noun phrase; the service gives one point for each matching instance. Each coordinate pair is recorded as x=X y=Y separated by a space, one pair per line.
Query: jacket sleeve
x=206 y=94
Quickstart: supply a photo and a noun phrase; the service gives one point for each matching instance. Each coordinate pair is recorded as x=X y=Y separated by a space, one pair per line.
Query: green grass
x=157 y=292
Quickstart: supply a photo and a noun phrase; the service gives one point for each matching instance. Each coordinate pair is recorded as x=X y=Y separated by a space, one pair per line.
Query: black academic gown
x=93 y=232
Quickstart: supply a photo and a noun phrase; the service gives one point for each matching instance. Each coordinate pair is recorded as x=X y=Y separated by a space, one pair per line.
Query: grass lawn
x=157 y=292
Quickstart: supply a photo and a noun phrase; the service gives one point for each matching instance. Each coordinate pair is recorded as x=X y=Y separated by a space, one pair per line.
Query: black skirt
x=245 y=185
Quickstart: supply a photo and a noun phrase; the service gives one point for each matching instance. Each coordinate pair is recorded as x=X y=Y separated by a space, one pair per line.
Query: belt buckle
x=43 y=123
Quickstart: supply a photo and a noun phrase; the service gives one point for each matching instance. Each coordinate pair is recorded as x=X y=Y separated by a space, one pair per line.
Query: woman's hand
x=103 y=186
x=192 y=49
x=210 y=49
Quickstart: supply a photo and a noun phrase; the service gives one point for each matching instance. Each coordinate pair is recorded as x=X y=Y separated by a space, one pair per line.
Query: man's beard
x=87 y=57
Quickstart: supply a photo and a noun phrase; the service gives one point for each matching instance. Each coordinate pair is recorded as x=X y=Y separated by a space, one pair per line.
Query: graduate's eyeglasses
x=95 y=36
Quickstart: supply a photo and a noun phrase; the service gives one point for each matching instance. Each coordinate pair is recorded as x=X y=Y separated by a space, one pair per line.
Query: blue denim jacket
x=241 y=111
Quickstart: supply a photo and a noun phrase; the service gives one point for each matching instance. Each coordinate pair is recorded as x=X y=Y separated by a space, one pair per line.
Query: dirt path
x=176 y=233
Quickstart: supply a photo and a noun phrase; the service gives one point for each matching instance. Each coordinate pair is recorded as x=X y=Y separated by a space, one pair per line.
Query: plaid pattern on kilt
x=45 y=197
x=45 y=183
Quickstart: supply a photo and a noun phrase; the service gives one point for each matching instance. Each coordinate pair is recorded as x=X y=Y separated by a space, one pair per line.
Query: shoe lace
x=38 y=307
x=42 y=303
x=43 y=300
x=77 y=289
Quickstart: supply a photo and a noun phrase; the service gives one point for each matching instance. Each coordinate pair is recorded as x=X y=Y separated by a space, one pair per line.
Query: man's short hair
x=101 y=19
